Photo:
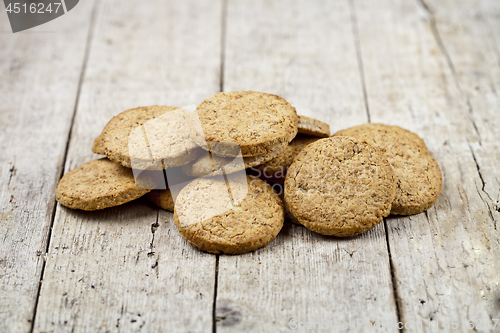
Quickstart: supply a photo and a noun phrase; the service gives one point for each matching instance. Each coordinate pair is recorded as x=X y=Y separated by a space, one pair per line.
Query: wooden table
x=427 y=65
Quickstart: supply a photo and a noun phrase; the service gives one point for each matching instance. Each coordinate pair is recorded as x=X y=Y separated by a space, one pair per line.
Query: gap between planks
x=221 y=87
x=393 y=275
x=355 y=32
x=54 y=209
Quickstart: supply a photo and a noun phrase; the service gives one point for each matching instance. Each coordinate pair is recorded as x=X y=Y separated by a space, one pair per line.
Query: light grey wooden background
x=430 y=66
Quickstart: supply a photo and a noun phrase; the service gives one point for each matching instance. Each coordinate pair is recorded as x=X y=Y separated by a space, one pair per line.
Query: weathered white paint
x=39 y=75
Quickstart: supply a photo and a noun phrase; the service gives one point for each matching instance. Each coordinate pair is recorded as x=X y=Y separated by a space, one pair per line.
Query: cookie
x=211 y=164
x=97 y=147
x=130 y=118
x=253 y=122
x=340 y=186
x=418 y=177
x=152 y=137
x=313 y=127
x=216 y=220
x=98 y=184
x=162 y=199
x=275 y=170
x=355 y=130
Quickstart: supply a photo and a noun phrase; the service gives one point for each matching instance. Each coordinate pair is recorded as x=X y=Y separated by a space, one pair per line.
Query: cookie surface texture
x=151 y=137
x=215 y=220
x=162 y=199
x=253 y=122
x=340 y=186
x=98 y=184
x=313 y=127
x=275 y=170
x=418 y=176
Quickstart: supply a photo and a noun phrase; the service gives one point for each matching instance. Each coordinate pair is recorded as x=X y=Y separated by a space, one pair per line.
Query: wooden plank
x=306 y=53
x=475 y=29
x=471 y=45
x=39 y=70
x=446 y=260
x=477 y=73
x=127 y=268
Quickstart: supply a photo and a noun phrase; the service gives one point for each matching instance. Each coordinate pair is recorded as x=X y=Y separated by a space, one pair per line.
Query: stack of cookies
x=242 y=161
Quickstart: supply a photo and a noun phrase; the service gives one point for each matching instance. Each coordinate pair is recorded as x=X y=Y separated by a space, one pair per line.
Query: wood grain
x=445 y=260
x=127 y=269
x=39 y=71
x=477 y=74
x=305 y=53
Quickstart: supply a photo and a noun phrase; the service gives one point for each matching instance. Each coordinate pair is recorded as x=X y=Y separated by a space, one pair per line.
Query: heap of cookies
x=220 y=168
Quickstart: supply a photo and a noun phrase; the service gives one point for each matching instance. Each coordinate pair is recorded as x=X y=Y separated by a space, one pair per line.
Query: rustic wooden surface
x=427 y=65
x=40 y=71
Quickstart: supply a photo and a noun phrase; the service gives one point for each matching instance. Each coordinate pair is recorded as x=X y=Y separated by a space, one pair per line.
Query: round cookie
x=253 y=122
x=356 y=130
x=418 y=177
x=340 y=186
x=314 y=127
x=275 y=170
x=209 y=217
x=148 y=138
x=98 y=184
x=162 y=199
x=211 y=164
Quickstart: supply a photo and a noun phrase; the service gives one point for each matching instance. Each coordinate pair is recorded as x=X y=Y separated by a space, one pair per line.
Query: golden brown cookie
x=211 y=164
x=275 y=170
x=97 y=147
x=358 y=129
x=253 y=122
x=340 y=186
x=418 y=177
x=216 y=220
x=162 y=199
x=98 y=184
x=151 y=137
x=314 y=127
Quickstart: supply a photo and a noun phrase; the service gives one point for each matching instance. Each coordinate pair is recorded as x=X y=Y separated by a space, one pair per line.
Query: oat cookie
x=216 y=220
x=340 y=186
x=356 y=130
x=98 y=184
x=162 y=199
x=98 y=146
x=314 y=127
x=275 y=170
x=148 y=138
x=251 y=121
x=418 y=177
x=211 y=164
